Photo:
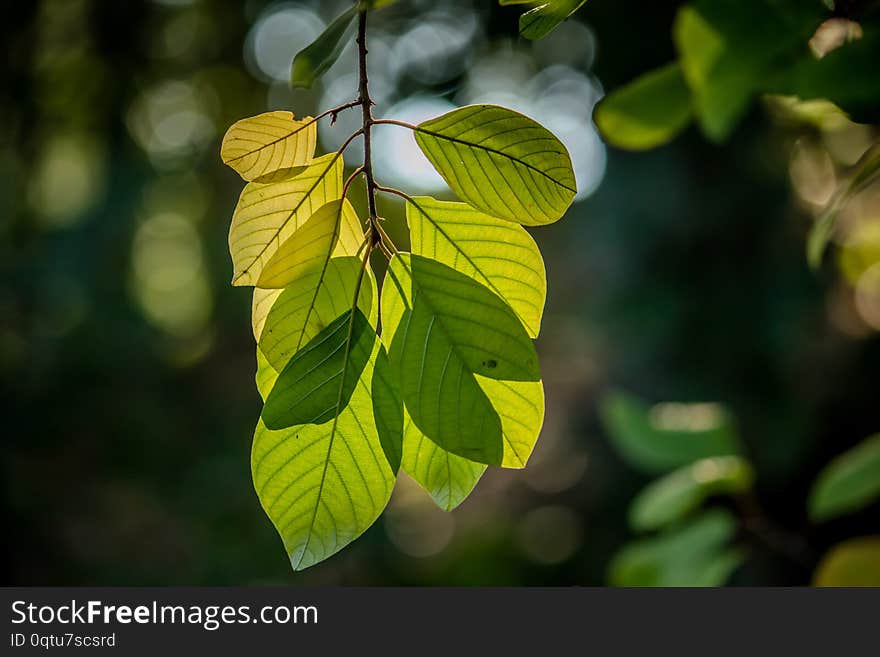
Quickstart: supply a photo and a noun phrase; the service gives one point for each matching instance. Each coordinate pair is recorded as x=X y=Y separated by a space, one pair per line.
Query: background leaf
x=269 y=142
x=855 y=562
x=268 y=214
x=543 y=19
x=449 y=338
x=680 y=492
x=666 y=436
x=500 y=255
x=500 y=162
x=850 y=482
x=693 y=554
x=312 y=62
x=649 y=111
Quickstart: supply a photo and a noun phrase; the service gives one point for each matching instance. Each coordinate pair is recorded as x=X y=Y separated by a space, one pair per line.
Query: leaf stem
x=402 y=124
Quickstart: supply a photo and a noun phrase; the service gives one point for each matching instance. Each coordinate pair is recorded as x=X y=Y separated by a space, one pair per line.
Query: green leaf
x=351 y=237
x=452 y=339
x=372 y=5
x=693 y=554
x=849 y=483
x=313 y=61
x=866 y=171
x=267 y=143
x=319 y=380
x=540 y=21
x=855 y=562
x=448 y=478
x=312 y=303
x=496 y=253
x=668 y=435
x=500 y=162
x=649 y=111
x=324 y=485
x=682 y=491
x=270 y=213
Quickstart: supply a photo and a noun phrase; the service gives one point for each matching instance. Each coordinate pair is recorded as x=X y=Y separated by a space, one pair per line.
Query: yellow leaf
x=267 y=143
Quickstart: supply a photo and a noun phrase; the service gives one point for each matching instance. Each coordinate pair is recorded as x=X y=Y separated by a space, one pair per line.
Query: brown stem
x=367 y=113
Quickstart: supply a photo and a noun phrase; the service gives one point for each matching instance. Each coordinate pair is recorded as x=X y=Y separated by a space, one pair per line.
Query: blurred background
x=127 y=360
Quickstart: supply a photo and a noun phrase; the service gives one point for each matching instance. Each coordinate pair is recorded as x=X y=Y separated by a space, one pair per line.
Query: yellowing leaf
x=269 y=142
x=500 y=255
x=268 y=214
x=500 y=162
x=308 y=249
x=855 y=562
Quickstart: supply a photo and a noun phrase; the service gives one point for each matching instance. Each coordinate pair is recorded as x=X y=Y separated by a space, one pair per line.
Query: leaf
x=313 y=61
x=319 y=380
x=649 y=111
x=264 y=144
x=849 y=483
x=728 y=57
x=669 y=435
x=451 y=338
x=324 y=485
x=308 y=249
x=372 y=5
x=448 y=478
x=855 y=562
x=866 y=171
x=269 y=214
x=540 y=21
x=310 y=304
x=500 y=162
x=684 y=490
x=500 y=255
x=693 y=554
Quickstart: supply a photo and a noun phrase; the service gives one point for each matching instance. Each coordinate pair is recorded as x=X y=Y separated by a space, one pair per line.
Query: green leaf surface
x=667 y=436
x=452 y=339
x=849 y=483
x=500 y=255
x=682 y=491
x=312 y=303
x=649 y=111
x=543 y=19
x=855 y=562
x=324 y=485
x=692 y=554
x=313 y=61
x=270 y=213
x=319 y=380
x=448 y=478
x=500 y=162
x=267 y=143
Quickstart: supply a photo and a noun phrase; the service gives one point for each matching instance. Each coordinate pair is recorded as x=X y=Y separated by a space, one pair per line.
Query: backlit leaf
x=320 y=378
x=680 y=492
x=451 y=340
x=268 y=214
x=312 y=303
x=448 y=478
x=323 y=485
x=668 y=435
x=850 y=482
x=500 y=162
x=647 y=112
x=269 y=142
x=500 y=255
x=313 y=61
